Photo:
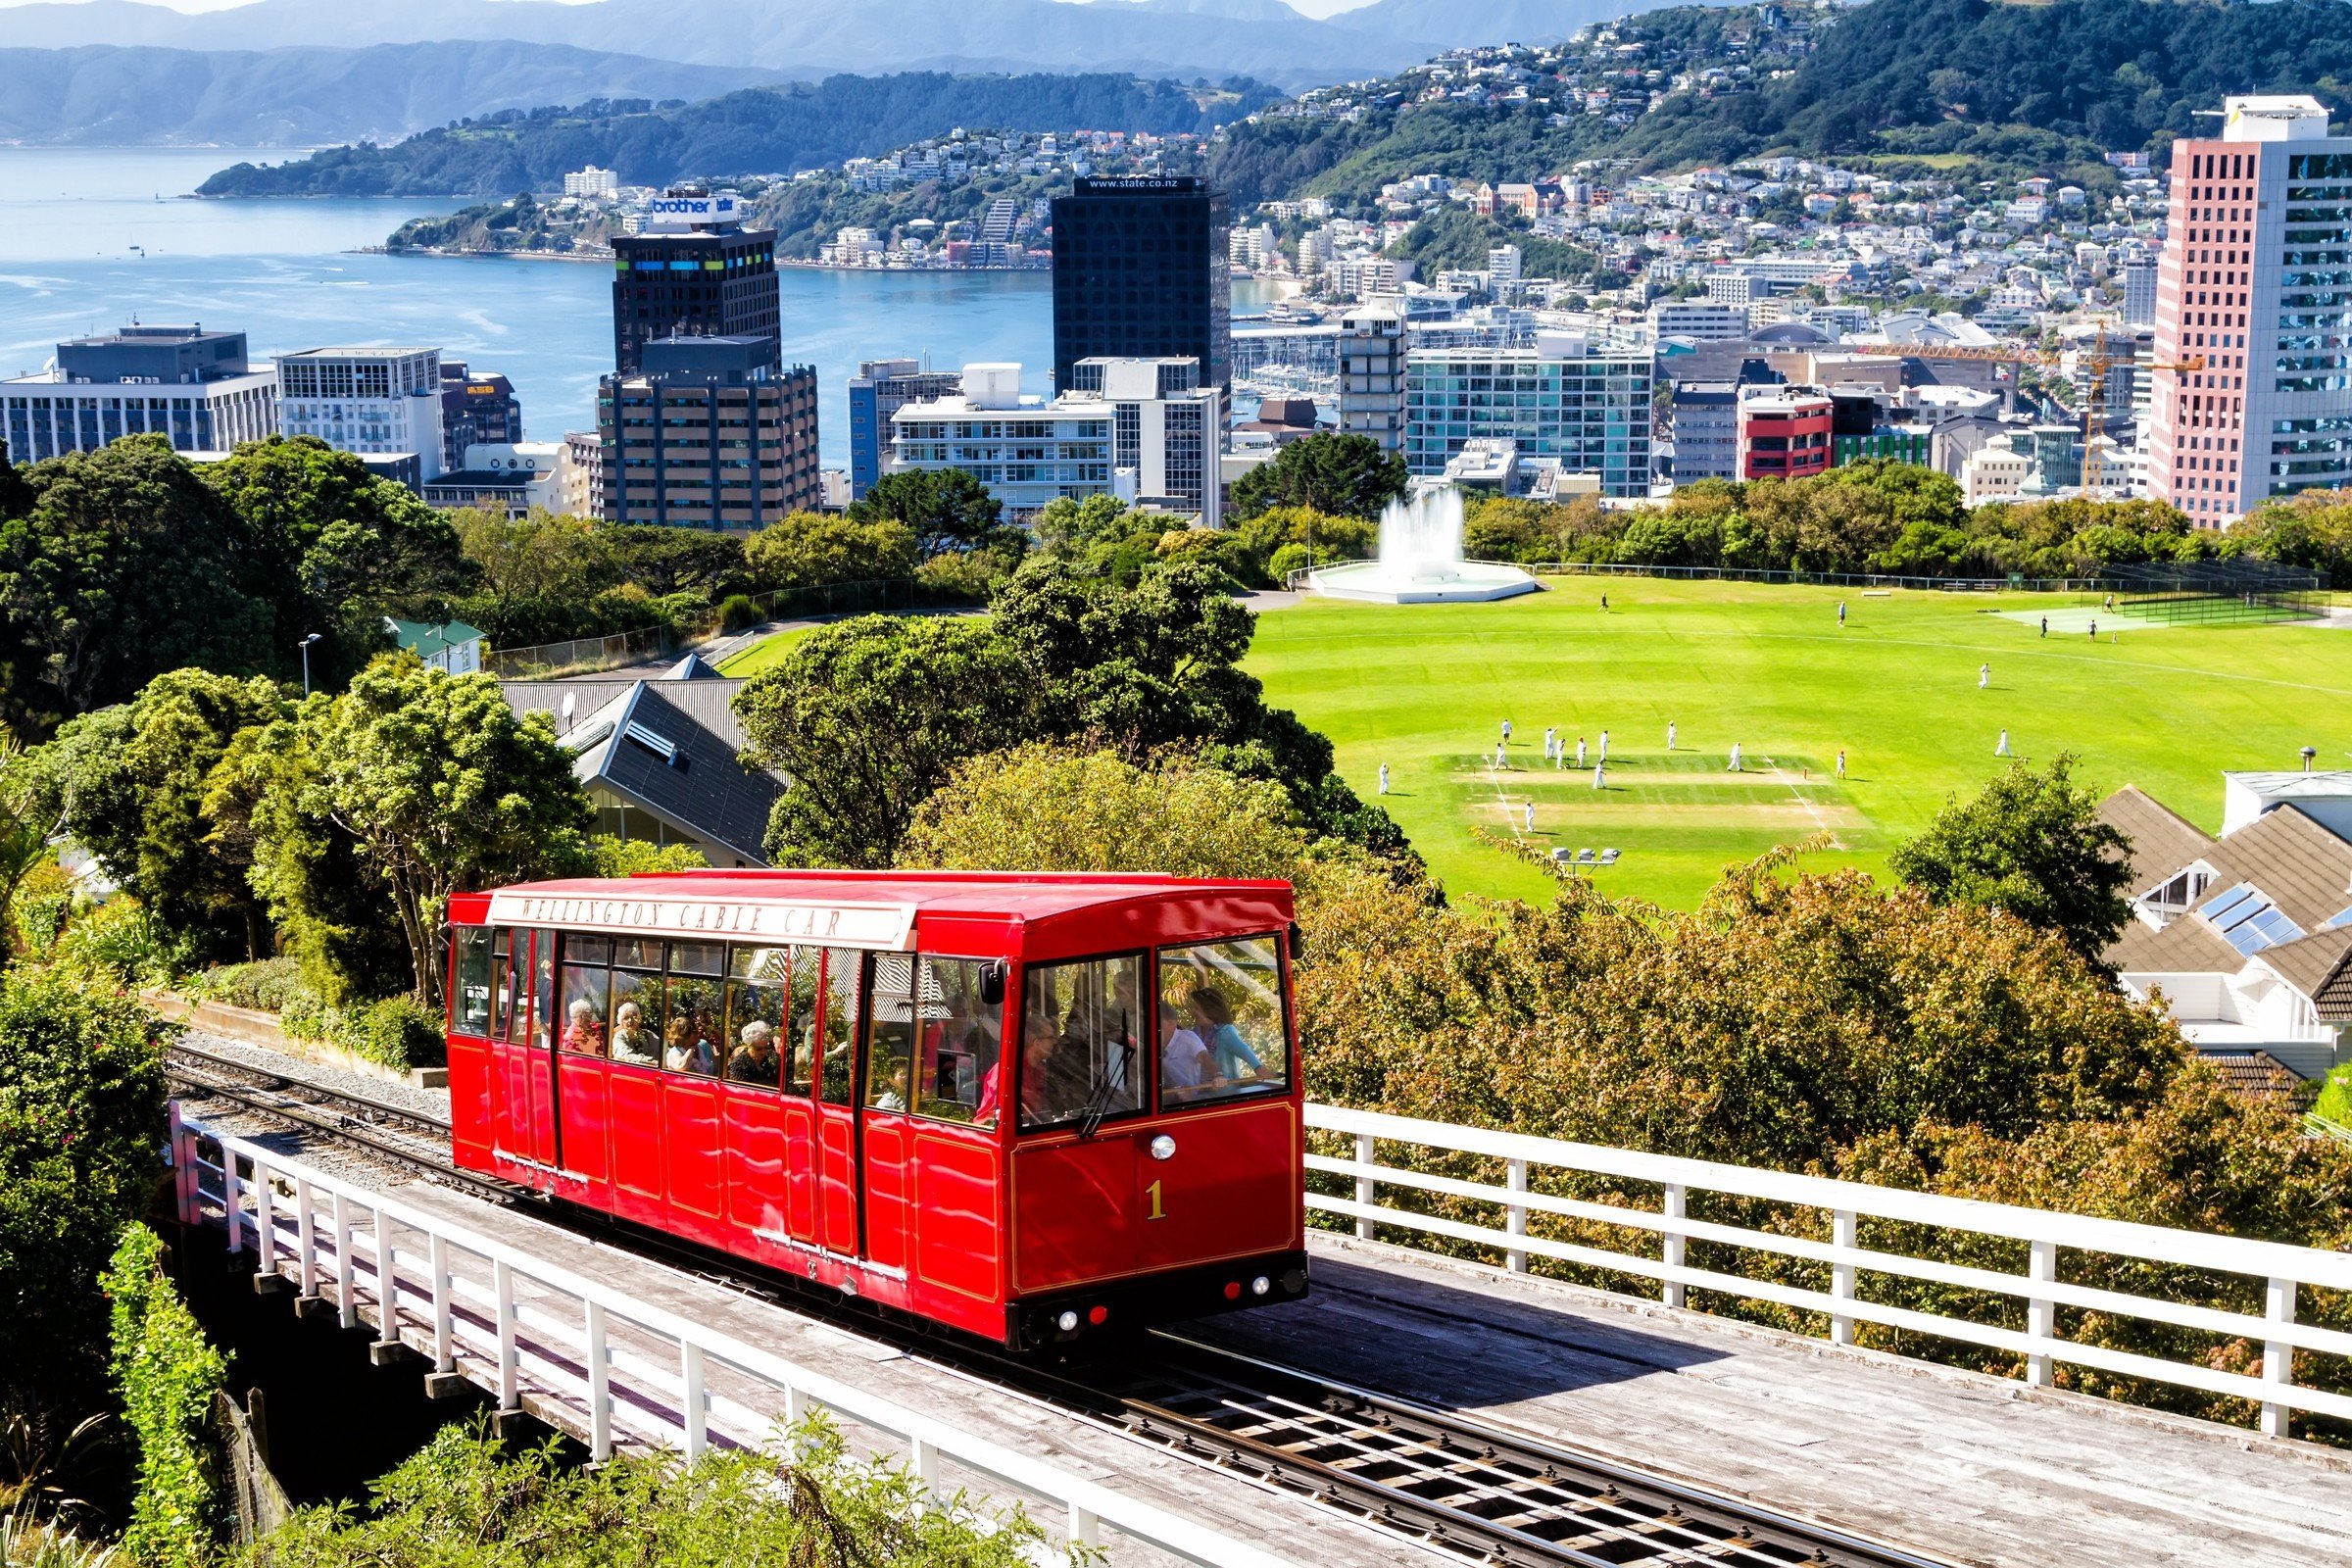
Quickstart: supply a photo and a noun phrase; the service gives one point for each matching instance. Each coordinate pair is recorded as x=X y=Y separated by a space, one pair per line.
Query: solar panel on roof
x=2216 y=907
x=2344 y=918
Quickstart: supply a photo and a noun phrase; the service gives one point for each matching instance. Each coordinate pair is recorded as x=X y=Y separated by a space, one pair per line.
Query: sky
x=1312 y=8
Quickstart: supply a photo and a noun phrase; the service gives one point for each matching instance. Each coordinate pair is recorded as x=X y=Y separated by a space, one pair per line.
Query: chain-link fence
x=581 y=656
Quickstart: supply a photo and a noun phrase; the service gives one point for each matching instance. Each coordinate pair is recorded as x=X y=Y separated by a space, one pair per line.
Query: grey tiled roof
x=2305 y=870
x=2256 y=1074
x=2163 y=841
x=668 y=747
x=2311 y=964
x=2188 y=946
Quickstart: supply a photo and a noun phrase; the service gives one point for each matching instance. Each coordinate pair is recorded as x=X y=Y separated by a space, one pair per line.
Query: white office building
x=1700 y=321
x=384 y=404
x=591 y=181
x=1572 y=397
x=1372 y=349
x=192 y=387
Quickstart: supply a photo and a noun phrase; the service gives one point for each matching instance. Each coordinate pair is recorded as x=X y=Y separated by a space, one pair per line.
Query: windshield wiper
x=1098 y=1104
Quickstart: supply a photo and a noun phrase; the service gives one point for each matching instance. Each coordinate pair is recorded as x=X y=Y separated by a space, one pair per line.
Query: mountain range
x=306 y=97
x=1264 y=39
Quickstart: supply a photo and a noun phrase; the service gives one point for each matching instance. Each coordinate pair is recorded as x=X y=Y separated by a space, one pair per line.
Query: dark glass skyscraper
x=693 y=272
x=1140 y=273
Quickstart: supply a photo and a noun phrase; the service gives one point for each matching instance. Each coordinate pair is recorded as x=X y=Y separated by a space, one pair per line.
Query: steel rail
x=1472 y=1490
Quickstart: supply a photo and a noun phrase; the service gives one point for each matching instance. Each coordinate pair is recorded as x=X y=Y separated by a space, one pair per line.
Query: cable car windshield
x=1079 y=1024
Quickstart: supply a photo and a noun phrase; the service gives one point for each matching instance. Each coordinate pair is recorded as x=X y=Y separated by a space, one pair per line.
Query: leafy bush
x=270 y=985
x=43 y=903
x=169 y=1374
x=738 y=613
x=610 y=856
x=461 y=1499
x=395 y=1032
x=1296 y=558
x=81 y=1106
x=119 y=941
x=26 y=1542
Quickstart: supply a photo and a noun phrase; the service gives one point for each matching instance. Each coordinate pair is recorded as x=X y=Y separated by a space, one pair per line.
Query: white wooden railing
x=517 y=1318
x=2046 y=1233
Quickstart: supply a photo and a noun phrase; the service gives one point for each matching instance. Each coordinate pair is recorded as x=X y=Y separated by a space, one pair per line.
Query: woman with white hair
x=756 y=1061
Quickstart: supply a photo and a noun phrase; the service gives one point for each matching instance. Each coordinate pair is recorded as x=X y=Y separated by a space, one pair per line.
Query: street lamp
x=305 y=646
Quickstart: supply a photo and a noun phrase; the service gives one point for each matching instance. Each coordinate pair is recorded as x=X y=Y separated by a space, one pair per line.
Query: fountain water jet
x=1421 y=560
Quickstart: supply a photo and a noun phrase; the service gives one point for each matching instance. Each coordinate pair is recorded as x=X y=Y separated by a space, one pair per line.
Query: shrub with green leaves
x=168 y=1374
x=462 y=1500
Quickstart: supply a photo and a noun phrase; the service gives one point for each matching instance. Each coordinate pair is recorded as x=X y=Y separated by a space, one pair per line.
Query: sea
x=95 y=238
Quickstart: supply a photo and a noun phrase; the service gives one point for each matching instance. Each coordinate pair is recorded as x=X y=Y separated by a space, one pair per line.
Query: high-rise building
x=879 y=389
x=2258 y=239
x=1572 y=397
x=694 y=270
x=1372 y=346
x=1705 y=421
x=475 y=411
x=2136 y=277
x=384 y=404
x=1166 y=430
x=194 y=388
x=1140 y=272
x=1785 y=431
x=1138 y=429
x=591 y=181
x=711 y=433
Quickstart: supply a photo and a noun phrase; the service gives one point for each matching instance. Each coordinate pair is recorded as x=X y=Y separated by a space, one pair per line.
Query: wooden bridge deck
x=1952 y=1464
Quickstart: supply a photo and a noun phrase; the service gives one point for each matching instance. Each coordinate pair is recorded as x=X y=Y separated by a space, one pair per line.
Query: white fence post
x=232 y=1200
x=922 y=1460
x=509 y=1361
x=2041 y=1314
x=599 y=1385
x=387 y=1283
x=1846 y=1233
x=1366 y=1190
x=1674 y=1203
x=265 y=1220
x=1515 y=1217
x=306 y=1240
x=183 y=1168
x=445 y=1354
x=696 y=1407
x=347 y=1302
x=2277 y=1357
x=1086 y=1530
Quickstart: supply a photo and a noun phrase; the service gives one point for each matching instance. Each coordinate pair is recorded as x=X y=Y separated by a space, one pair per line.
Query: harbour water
x=91 y=238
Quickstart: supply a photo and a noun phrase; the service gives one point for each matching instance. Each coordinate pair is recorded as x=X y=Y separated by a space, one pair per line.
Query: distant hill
x=2047 y=86
x=1184 y=38
x=306 y=97
x=777 y=130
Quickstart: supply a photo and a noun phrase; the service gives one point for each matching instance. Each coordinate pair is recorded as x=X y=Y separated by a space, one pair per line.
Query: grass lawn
x=1425 y=689
x=764 y=654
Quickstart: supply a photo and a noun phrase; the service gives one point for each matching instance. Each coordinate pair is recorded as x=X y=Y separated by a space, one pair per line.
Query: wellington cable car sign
x=887 y=926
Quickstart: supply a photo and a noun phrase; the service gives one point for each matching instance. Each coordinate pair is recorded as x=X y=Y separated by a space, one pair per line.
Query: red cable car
x=811 y=1070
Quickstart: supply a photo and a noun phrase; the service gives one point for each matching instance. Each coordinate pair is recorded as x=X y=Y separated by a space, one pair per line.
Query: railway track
x=1462 y=1485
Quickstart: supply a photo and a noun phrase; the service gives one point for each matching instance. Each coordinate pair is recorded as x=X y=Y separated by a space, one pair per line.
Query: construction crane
x=2097 y=361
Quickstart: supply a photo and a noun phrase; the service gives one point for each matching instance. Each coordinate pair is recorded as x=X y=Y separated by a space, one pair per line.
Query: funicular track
x=1458 y=1484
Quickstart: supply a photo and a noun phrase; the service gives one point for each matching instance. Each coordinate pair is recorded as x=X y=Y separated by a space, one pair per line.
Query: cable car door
x=522 y=1123
x=840 y=1194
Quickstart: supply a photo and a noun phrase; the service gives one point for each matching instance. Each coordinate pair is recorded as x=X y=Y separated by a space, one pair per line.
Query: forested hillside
x=2010 y=84
x=766 y=129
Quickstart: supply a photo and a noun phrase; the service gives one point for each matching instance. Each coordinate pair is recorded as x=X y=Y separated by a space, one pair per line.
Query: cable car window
x=543 y=987
x=804 y=989
x=842 y=979
x=933 y=1044
x=469 y=1004
x=1221 y=1033
x=584 y=986
x=501 y=981
x=694 y=1038
x=761 y=980
x=637 y=1010
x=1078 y=1041
x=698 y=957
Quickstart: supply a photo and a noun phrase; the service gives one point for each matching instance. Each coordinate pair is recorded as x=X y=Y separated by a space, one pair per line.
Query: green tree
x=865 y=717
x=810 y=549
x=335 y=549
x=168 y=1374
x=441 y=787
x=81 y=1097
x=129 y=784
x=119 y=564
x=1346 y=475
x=615 y=857
x=946 y=509
x=674 y=560
x=536 y=574
x=2031 y=844
x=1038 y=807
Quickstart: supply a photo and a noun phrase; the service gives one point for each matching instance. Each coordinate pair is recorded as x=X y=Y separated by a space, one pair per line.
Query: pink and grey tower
x=2256 y=281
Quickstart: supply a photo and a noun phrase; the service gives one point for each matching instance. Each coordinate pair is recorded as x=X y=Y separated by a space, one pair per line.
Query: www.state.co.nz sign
x=886 y=926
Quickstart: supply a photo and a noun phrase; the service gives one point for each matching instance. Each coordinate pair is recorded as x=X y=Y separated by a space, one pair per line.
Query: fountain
x=1421 y=560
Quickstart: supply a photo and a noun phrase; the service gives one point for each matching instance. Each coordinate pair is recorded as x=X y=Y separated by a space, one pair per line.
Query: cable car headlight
x=1068 y=1322
x=1163 y=1148
x=1261 y=1286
